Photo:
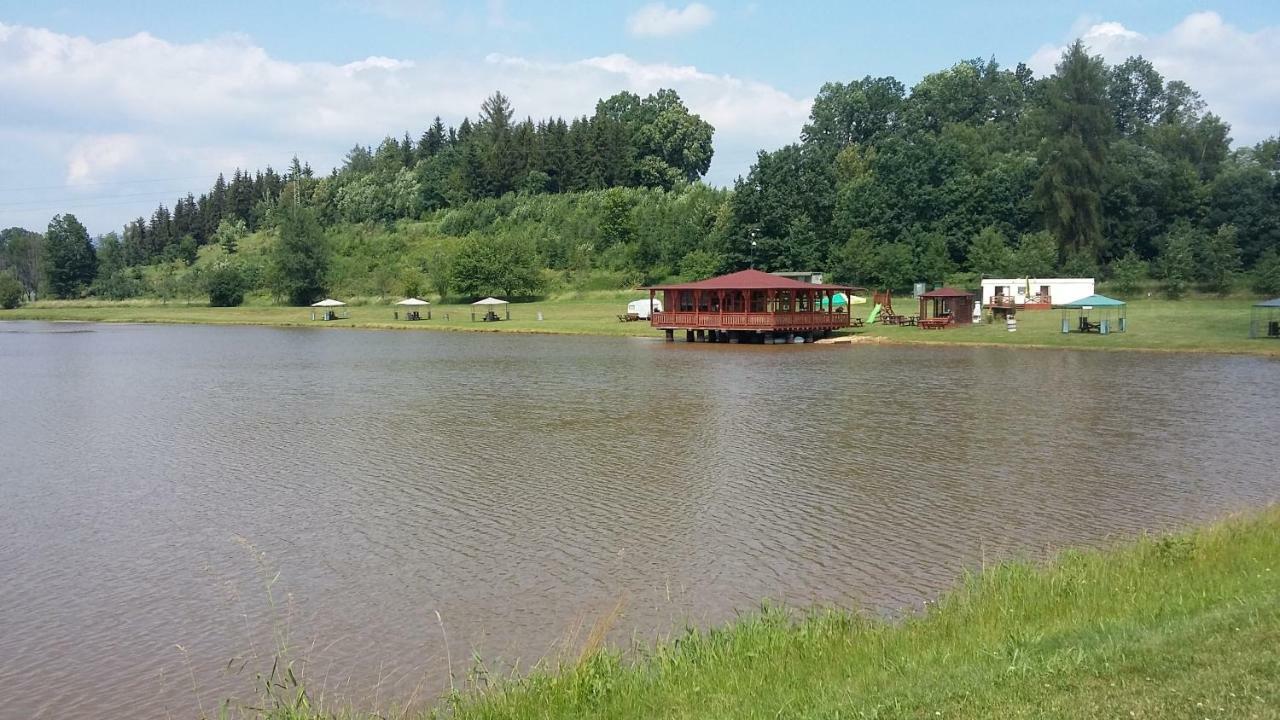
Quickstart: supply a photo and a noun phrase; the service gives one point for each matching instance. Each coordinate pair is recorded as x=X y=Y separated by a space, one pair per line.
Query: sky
x=107 y=109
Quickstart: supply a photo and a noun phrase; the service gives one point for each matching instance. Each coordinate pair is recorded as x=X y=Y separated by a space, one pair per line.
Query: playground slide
x=874 y=314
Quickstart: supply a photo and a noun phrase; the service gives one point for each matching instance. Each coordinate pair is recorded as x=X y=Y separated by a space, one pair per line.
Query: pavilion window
x=686 y=301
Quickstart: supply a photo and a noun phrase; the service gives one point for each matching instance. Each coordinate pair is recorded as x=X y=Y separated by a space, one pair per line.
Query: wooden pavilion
x=944 y=307
x=750 y=306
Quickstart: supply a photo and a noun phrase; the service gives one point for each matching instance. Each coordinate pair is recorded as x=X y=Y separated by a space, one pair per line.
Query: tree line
x=977 y=170
x=981 y=170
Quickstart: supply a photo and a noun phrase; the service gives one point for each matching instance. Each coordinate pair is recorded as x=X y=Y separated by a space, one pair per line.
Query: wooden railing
x=750 y=320
x=1008 y=301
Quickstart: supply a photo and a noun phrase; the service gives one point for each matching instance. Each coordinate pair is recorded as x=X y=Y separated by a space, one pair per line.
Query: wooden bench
x=934 y=323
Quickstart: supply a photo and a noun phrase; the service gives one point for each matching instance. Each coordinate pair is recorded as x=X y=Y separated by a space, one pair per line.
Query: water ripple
x=178 y=498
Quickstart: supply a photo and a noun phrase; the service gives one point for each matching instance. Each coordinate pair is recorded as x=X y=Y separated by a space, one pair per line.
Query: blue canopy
x=1094 y=301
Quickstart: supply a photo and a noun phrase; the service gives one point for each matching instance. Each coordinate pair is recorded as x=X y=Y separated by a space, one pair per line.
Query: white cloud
x=96 y=117
x=96 y=157
x=1236 y=71
x=658 y=20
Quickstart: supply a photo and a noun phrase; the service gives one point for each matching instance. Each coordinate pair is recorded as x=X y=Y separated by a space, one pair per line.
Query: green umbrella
x=839 y=300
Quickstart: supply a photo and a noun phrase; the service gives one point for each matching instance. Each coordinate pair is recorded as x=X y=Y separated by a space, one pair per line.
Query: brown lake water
x=174 y=500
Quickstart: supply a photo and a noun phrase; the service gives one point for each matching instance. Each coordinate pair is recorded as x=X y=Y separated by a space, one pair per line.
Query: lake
x=177 y=502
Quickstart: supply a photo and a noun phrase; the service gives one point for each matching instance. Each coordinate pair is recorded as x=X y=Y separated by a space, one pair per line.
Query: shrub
x=699 y=264
x=225 y=284
x=1126 y=274
x=120 y=284
x=10 y=291
x=1266 y=273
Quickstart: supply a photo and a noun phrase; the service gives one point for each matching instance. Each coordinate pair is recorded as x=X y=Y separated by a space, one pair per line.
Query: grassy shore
x=1183 y=626
x=1192 y=325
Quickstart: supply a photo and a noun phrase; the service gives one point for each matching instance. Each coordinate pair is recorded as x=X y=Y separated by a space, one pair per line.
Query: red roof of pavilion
x=751 y=280
x=946 y=292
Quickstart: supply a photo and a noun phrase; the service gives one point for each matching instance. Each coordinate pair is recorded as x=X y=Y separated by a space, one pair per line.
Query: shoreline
x=595 y=326
x=1152 y=624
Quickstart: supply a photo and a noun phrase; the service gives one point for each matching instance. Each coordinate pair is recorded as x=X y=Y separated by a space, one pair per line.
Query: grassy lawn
x=1198 y=324
x=1185 y=626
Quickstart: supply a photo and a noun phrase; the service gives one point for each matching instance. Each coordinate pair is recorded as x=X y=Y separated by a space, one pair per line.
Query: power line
x=16 y=204
x=64 y=186
x=65 y=208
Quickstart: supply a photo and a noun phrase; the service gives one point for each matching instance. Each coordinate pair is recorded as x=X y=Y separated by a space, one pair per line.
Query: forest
x=977 y=170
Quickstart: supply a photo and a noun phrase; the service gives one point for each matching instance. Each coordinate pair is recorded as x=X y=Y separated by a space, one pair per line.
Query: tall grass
x=1183 y=626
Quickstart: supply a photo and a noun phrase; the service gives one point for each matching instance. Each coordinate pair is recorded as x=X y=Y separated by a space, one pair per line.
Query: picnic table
x=911 y=320
x=628 y=317
x=1086 y=326
x=937 y=323
x=856 y=322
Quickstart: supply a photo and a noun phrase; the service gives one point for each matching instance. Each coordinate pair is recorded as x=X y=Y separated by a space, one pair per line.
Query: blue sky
x=111 y=106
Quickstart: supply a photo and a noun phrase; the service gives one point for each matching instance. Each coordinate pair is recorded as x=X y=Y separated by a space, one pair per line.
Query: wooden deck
x=764 y=321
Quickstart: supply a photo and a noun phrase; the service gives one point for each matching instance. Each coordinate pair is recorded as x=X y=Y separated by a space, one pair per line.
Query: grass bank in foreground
x=1185 y=626
x=1192 y=325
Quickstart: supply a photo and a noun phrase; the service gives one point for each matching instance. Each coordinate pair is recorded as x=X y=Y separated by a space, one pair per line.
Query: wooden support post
x=671 y=335
x=688 y=336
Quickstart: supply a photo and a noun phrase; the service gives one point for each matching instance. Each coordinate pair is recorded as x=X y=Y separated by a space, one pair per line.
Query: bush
x=10 y=291
x=122 y=284
x=1176 y=263
x=1266 y=274
x=699 y=264
x=225 y=284
x=1126 y=274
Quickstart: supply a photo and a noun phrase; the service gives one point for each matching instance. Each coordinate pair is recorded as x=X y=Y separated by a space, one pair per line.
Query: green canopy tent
x=1266 y=319
x=841 y=300
x=1095 y=313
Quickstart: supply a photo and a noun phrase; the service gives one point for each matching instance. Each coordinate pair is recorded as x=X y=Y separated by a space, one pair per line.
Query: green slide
x=873 y=315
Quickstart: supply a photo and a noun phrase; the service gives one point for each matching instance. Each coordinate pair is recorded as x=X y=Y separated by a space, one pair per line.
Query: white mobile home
x=643 y=309
x=1034 y=292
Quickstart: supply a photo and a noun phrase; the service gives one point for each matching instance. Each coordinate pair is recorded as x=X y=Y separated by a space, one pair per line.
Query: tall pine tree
x=1073 y=152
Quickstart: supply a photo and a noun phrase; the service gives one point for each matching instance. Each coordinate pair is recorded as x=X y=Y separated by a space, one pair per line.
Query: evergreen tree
x=229 y=234
x=69 y=260
x=300 y=258
x=1077 y=125
x=159 y=233
x=432 y=141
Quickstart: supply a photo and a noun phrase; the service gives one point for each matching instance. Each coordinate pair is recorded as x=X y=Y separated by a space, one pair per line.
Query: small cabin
x=1033 y=293
x=750 y=306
